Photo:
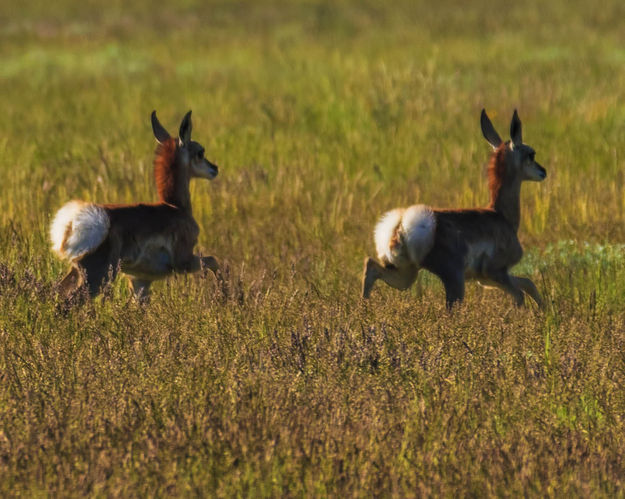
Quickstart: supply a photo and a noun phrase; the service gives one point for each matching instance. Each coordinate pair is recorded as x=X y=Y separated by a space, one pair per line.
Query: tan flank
x=456 y=245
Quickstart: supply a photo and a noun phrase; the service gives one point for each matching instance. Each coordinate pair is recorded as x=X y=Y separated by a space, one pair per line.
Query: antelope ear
x=185 y=128
x=489 y=132
x=516 y=132
x=160 y=133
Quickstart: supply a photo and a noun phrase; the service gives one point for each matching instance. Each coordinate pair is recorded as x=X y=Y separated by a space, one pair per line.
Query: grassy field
x=321 y=116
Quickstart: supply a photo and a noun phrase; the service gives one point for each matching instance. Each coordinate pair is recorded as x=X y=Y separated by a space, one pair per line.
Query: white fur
x=416 y=226
x=78 y=228
x=419 y=226
x=384 y=232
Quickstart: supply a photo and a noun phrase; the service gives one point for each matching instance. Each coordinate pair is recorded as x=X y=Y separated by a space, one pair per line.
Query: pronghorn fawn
x=146 y=242
x=456 y=245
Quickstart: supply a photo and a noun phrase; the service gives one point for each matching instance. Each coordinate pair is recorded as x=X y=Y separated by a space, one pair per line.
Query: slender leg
x=195 y=263
x=71 y=282
x=396 y=278
x=528 y=286
x=453 y=280
x=448 y=265
x=209 y=262
x=509 y=284
x=141 y=289
x=370 y=274
x=99 y=276
x=100 y=266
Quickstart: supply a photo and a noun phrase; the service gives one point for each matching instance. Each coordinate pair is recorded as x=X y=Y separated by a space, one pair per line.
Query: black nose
x=541 y=171
x=215 y=168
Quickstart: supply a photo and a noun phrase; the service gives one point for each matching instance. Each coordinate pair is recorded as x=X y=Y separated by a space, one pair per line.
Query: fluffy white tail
x=78 y=228
x=404 y=236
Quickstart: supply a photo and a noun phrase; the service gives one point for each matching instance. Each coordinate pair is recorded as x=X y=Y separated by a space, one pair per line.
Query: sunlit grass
x=321 y=115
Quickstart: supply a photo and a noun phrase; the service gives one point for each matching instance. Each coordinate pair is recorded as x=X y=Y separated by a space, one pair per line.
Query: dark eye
x=531 y=156
x=200 y=154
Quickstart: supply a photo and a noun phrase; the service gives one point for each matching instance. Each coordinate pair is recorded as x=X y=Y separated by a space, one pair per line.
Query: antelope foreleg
x=197 y=263
x=509 y=284
x=528 y=286
x=210 y=263
x=141 y=289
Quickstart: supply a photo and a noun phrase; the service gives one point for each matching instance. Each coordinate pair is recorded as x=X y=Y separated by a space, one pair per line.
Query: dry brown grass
x=283 y=383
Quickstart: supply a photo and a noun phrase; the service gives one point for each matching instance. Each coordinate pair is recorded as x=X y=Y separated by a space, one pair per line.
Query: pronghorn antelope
x=479 y=243
x=145 y=241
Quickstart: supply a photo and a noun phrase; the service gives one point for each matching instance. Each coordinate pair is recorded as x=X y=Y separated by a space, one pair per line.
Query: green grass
x=321 y=115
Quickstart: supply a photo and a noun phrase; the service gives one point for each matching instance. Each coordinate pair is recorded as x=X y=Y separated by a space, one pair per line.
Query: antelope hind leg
x=454 y=288
x=101 y=267
x=71 y=282
x=444 y=264
x=370 y=274
x=396 y=278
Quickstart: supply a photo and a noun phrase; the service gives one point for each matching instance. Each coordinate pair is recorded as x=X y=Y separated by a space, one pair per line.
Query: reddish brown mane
x=496 y=171
x=164 y=170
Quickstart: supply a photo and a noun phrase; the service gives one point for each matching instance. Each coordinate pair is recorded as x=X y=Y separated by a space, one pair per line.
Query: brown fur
x=166 y=173
x=496 y=172
x=149 y=241
x=395 y=240
x=478 y=243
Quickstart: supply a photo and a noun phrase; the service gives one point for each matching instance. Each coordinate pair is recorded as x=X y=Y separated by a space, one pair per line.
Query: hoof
x=210 y=263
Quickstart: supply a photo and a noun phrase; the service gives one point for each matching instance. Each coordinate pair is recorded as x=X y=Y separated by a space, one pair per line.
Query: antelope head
x=519 y=157
x=190 y=154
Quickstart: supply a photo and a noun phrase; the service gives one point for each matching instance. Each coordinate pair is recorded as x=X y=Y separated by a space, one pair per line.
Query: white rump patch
x=78 y=228
x=384 y=232
x=405 y=235
x=418 y=225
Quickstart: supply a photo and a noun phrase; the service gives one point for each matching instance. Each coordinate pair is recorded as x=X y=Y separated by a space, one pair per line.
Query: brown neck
x=172 y=178
x=505 y=191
